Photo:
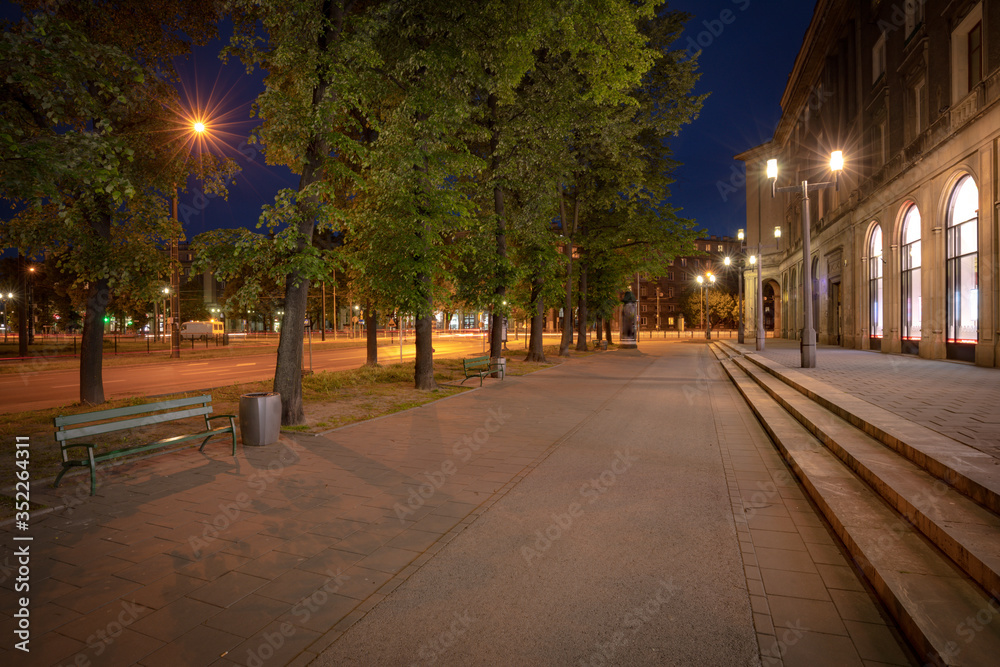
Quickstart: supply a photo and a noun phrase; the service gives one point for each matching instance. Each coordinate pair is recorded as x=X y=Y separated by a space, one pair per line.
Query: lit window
x=962 y=264
x=910 y=261
x=875 y=284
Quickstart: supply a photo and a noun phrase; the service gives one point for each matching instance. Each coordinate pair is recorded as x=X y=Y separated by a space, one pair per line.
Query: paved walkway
x=956 y=399
x=619 y=509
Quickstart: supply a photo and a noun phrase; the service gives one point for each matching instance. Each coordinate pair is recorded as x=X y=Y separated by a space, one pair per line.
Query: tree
x=315 y=55
x=81 y=99
x=720 y=307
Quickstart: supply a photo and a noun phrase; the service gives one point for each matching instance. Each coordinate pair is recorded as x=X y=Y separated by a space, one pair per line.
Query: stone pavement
x=953 y=398
x=617 y=509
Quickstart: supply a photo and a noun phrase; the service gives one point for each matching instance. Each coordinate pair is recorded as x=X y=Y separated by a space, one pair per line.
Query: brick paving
x=955 y=399
x=271 y=557
x=809 y=607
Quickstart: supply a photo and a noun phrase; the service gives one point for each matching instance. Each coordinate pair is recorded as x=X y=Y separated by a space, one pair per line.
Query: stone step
x=943 y=613
x=972 y=472
x=964 y=530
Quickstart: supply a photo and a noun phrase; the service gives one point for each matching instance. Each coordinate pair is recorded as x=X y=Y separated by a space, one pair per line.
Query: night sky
x=748 y=49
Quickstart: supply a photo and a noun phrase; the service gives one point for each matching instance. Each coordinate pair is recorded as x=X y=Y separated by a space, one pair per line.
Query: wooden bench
x=480 y=367
x=121 y=419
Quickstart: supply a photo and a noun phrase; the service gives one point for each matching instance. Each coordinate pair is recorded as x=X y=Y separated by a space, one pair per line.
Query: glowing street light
x=808 y=341
x=710 y=279
x=199 y=128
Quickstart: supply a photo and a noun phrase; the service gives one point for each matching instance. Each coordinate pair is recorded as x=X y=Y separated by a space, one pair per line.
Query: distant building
x=904 y=254
x=660 y=298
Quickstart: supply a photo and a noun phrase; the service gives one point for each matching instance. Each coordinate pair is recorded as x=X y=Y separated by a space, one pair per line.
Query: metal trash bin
x=260 y=418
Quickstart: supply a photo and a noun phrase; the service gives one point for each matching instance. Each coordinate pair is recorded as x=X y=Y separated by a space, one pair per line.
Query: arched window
x=875 y=287
x=962 y=268
x=910 y=263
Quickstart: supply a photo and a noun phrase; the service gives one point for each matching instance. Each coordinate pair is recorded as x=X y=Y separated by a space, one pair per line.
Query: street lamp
x=31 y=305
x=808 y=342
x=6 y=322
x=728 y=261
x=175 y=273
x=710 y=279
x=166 y=300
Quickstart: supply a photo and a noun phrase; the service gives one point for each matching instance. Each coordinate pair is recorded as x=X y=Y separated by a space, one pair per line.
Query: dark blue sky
x=748 y=49
x=746 y=58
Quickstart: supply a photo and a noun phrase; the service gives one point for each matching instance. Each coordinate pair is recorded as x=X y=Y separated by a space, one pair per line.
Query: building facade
x=659 y=299
x=903 y=253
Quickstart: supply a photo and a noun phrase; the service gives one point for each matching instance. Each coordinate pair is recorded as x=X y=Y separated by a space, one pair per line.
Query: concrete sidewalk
x=956 y=399
x=619 y=509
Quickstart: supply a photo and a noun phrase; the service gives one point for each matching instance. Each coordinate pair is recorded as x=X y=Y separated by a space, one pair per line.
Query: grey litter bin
x=260 y=418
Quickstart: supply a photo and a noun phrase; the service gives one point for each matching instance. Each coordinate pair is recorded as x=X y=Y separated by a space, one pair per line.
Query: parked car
x=202 y=330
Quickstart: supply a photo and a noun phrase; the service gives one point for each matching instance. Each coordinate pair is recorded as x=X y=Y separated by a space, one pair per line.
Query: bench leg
x=61 y=473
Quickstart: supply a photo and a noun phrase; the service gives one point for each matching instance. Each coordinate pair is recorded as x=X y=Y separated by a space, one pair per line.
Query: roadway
x=37 y=389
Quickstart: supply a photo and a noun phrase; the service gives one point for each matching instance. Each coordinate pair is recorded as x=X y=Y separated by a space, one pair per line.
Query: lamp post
x=743 y=262
x=808 y=341
x=6 y=321
x=166 y=300
x=31 y=305
x=175 y=273
x=739 y=284
x=710 y=279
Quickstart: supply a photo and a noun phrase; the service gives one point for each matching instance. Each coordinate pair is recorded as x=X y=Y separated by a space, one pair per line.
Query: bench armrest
x=211 y=417
x=232 y=427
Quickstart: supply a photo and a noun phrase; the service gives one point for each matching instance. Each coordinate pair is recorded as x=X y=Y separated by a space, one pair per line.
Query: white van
x=202 y=330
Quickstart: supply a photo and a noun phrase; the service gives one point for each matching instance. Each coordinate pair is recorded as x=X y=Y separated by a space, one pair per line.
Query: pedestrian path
x=622 y=508
x=953 y=398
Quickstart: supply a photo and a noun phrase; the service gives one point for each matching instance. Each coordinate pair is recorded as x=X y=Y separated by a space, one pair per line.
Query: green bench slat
x=114 y=413
x=110 y=427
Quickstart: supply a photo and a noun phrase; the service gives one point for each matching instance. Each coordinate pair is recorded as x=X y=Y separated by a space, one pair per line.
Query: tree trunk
x=423 y=327
x=92 y=344
x=536 y=351
x=288 y=371
x=581 y=339
x=568 y=232
x=600 y=329
x=496 y=319
x=607 y=329
x=371 y=321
